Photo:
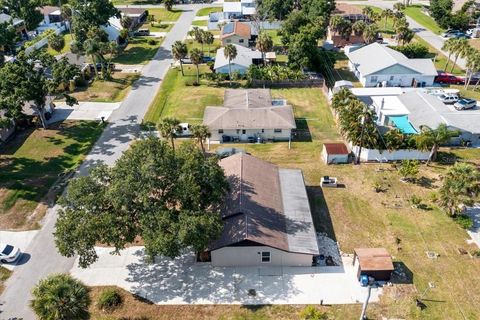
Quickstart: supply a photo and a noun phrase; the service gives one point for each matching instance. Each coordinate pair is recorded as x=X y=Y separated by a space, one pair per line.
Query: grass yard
x=206 y=11
x=475 y=43
x=440 y=60
x=113 y=90
x=32 y=162
x=276 y=38
x=162 y=14
x=4 y=275
x=68 y=39
x=138 y=51
x=158 y=26
x=200 y=23
x=178 y=98
x=415 y=12
x=207 y=50
x=470 y=93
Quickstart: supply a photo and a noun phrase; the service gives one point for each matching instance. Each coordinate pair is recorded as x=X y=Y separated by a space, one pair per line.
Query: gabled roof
x=244 y=57
x=236 y=28
x=346 y=9
x=8 y=18
x=336 y=148
x=46 y=10
x=249 y=109
x=267 y=206
x=376 y=57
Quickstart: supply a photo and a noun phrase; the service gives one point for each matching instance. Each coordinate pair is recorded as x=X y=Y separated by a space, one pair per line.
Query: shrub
x=152 y=42
x=413 y=50
x=312 y=313
x=409 y=169
x=415 y=201
x=464 y=221
x=109 y=299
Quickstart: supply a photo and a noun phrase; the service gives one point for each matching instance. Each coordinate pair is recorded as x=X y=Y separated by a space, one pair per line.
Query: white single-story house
x=267 y=218
x=250 y=115
x=244 y=59
x=378 y=65
x=335 y=153
x=238 y=9
x=236 y=32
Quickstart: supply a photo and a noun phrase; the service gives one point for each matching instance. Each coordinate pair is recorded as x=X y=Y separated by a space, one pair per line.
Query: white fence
x=385 y=155
x=43 y=42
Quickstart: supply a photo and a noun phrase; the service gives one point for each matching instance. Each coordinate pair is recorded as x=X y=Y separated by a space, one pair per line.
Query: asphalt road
x=41 y=257
x=433 y=39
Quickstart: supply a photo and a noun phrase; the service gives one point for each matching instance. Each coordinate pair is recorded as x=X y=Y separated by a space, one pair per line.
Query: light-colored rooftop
x=244 y=57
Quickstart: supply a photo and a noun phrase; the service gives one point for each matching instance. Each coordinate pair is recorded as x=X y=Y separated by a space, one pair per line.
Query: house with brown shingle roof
x=267 y=218
x=248 y=115
x=236 y=32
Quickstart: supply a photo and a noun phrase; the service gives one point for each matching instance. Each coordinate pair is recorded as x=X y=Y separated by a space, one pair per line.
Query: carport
x=374 y=262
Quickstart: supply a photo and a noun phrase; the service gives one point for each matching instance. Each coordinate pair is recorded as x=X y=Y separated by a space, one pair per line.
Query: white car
x=9 y=253
x=448 y=98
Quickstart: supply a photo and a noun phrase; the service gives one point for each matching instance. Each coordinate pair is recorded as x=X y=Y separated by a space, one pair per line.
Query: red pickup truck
x=448 y=78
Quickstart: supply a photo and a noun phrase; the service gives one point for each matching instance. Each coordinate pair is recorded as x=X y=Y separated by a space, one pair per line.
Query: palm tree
x=264 y=44
x=397 y=16
x=230 y=53
x=208 y=38
x=66 y=12
x=168 y=4
x=92 y=49
x=371 y=33
x=449 y=46
x=342 y=99
x=60 y=297
x=461 y=50
x=367 y=12
x=359 y=27
x=473 y=66
x=405 y=35
x=196 y=56
x=387 y=13
x=398 y=6
x=461 y=185
x=200 y=132
x=335 y=23
x=179 y=52
x=346 y=29
x=197 y=34
x=431 y=139
x=167 y=128
x=110 y=48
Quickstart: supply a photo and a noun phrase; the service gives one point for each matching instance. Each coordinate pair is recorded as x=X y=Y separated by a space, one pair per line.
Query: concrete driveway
x=83 y=111
x=474 y=232
x=182 y=281
x=19 y=239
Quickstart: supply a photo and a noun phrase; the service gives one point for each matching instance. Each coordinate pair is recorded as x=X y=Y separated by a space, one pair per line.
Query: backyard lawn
x=113 y=90
x=200 y=23
x=32 y=162
x=208 y=50
x=276 y=38
x=138 y=51
x=206 y=11
x=68 y=39
x=178 y=98
x=415 y=12
x=162 y=14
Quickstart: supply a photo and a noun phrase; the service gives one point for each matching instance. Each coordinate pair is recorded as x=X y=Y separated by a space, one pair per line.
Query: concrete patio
x=474 y=232
x=182 y=281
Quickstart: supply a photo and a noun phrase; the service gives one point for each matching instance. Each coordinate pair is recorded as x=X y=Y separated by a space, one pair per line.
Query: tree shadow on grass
x=302 y=132
x=320 y=212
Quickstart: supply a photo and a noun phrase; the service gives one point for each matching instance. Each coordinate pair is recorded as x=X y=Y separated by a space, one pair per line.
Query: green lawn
x=200 y=23
x=68 y=39
x=162 y=14
x=415 y=12
x=158 y=26
x=178 y=98
x=276 y=38
x=138 y=51
x=440 y=59
x=206 y=11
x=207 y=50
x=32 y=162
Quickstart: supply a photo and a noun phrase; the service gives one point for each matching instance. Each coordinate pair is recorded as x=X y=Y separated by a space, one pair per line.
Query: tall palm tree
x=432 y=139
x=264 y=44
x=359 y=27
x=371 y=33
x=67 y=14
x=201 y=133
x=449 y=46
x=60 y=297
x=367 y=12
x=398 y=6
x=92 y=49
x=342 y=99
x=208 y=38
x=387 y=13
x=197 y=34
x=230 y=53
x=405 y=35
x=196 y=56
x=397 y=16
x=179 y=52
x=461 y=50
x=473 y=66
x=335 y=23
x=167 y=128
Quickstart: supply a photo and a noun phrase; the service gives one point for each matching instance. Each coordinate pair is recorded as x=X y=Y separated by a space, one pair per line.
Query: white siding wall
x=251 y=256
x=268 y=134
x=402 y=80
x=234 y=39
x=385 y=155
x=235 y=67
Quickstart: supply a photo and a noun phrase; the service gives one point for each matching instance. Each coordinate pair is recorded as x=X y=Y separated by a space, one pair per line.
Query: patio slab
x=182 y=281
x=474 y=232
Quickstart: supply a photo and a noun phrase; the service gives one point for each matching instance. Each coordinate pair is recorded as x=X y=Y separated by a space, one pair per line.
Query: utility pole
x=357 y=162
x=365 y=304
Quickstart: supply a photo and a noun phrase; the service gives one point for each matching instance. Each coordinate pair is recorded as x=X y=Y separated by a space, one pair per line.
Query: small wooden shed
x=374 y=262
x=335 y=153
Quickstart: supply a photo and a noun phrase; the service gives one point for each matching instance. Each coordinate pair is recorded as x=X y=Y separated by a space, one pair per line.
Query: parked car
x=465 y=104
x=183 y=130
x=142 y=32
x=448 y=78
x=460 y=35
x=98 y=65
x=208 y=59
x=449 y=33
x=9 y=253
x=448 y=98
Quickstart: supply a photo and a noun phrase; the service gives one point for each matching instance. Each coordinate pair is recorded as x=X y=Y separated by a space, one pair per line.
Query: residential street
x=123 y=127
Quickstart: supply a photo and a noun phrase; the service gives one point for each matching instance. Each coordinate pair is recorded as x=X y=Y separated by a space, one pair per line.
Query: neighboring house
x=76 y=59
x=250 y=115
x=18 y=24
x=377 y=65
x=239 y=9
x=335 y=153
x=409 y=110
x=244 y=59
x=351 y=13
x=114 y=25
x=236 y=33
x=51 y=14
x=267 y=218
x=113 y=28
x=138 y=15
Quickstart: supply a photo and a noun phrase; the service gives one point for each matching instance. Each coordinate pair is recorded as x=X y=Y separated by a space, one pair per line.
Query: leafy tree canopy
x=275 y=9
x=170 y=199
x=91 y=13
x=26 y=10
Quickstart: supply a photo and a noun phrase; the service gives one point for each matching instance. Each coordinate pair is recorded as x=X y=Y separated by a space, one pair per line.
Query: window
x=391 y=78
x=373 y=79
x=244 y=131
x=240 y=41
x=266 y=256
x=229 y=40
x=263 y=130
x=277 y=130
x=238 y=131
x=220 y=130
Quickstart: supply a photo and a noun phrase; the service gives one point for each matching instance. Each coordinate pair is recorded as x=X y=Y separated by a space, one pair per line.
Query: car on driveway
x=449 y=33
x=448 y=98
x=448 y=78
x=465 y=104
x=9 y=253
